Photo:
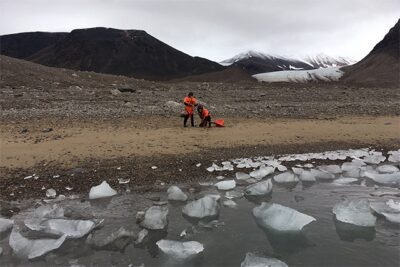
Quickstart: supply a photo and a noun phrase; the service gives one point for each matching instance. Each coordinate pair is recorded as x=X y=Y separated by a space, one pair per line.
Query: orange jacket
x=204 y=114
x=189 y=102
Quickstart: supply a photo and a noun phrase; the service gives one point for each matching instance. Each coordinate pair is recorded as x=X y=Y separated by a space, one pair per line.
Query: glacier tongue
x=252 y=260
x=356 y=211
x=203 y=207
x=179 y=249
x=101 y=190
x=33 y=248
x=280 y=218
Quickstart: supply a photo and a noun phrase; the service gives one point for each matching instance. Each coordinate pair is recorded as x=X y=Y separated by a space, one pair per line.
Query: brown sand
x=68 y=145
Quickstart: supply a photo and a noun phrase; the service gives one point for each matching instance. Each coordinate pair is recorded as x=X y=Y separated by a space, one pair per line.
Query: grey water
x=325 y=242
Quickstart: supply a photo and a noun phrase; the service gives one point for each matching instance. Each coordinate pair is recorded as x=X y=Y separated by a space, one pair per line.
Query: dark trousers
x=205 y=121
x=186 y=118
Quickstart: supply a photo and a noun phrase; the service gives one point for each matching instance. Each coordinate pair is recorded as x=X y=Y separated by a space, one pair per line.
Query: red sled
x=219 y=123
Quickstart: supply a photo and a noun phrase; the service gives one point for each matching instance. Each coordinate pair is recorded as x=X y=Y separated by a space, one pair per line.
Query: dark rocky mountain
x=23 y=45
x=381 y=66
x=132 y=53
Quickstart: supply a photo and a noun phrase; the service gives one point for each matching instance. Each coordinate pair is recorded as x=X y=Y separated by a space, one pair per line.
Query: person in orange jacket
x=205 y=116
x=190 y=102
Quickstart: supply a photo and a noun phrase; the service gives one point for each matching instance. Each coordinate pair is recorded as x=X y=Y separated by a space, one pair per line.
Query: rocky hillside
x=132 y=53
x=381 y=65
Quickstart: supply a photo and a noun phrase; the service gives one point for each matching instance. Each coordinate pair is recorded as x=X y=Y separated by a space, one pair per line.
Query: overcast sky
x=219 y=29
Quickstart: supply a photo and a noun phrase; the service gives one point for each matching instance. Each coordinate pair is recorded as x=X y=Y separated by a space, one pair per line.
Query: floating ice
x=335 y=169
x=322 y=175
x=49 y=211
x=390 y=210
x=280 y=218
x=345 y=180
x=220 y=177
x=204 y=207
x=141 y=236
x=229 y=203
x=387 y=169
x=297 y=171
x=5 y=225
x=61 y=227
x=393 y=204
x=307 y=176
x=176 y=194
x=51 y=193
x=30 y=249
x=226 y=185
x=233 y=194
x=253 y=261
x=155 y=218
x=242 y=176
x=262 y=172
x=259 y=189
x=374 y=158
x=394 y=156
x=383 y=178
x=386 y=192
x=355 y=211
x=179 y=249
x=101 y=190
x=286 y=177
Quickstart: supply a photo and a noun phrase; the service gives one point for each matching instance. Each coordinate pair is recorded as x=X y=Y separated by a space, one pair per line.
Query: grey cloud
x=219 y=29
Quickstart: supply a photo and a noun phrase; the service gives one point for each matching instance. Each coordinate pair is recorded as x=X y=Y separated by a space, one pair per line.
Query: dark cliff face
x=23 y=45
x=124 y=52
x=381 y=65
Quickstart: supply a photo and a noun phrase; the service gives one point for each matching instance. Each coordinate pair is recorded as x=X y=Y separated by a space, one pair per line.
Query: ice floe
x=206 y=206
x=176 y=194
x=356 y=211
x=383 y=178
x=155 y=218
x=280 y=218
x=307 y=176
x=51 y=193
x=242 y=176
x=33 y=248
x=394 y=156
x=226 y=185
x=286 y=177
x=259 y=189
x=389 y=209
x=180 y=250
x=262 y=172
x=345 y=180
x=104 y=238
x=101 y=190
x=387 y=169
x=252 y=260
x=5 y=225
x=233 y=194
x=335 y=169
x=61 y=227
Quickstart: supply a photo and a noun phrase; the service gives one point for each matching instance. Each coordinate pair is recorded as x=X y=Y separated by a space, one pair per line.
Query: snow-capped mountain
x=257 y=62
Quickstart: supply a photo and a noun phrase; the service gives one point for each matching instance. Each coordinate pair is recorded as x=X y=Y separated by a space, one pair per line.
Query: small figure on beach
x=205 y=116
x=190 y=102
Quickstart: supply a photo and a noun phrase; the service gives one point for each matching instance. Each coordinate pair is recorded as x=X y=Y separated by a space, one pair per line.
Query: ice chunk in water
x=394 y=156
x=307 y=176
x=253 y=261
x=155 y=218
x=322 y=175
x=390 y=210
x=206 y=206
x=374 y=158
x=30 y=249
x=345 y=180
x=356 y=211
x=262 y=172
x=5 y=225
x=331 y=169
x=176 y=194
x=49 y=211
x=101 y=190
x=297 y=171
x=51 y=193
x=111 y=238
x=60 y=227
x=226 y=185
x=242 y=176
x=179 y=249
x=393 y=204
x=383 y=178
x=280 y=218
x=259 y=189
x=230 y=203
x=286 y=177
x=233 y=194
x=387 y=169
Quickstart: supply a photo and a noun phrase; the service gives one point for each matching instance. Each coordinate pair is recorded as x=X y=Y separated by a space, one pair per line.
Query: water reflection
x=150 y=241
x=350 y=232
